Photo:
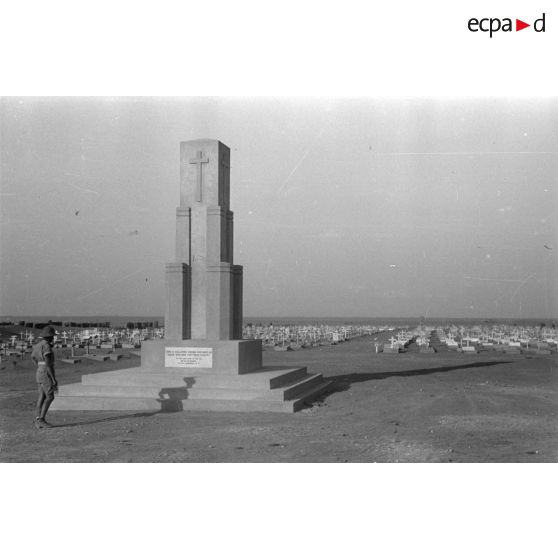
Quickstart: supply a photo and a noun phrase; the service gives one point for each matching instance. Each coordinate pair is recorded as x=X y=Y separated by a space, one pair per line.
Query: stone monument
x=202 y=363
x=203 y=308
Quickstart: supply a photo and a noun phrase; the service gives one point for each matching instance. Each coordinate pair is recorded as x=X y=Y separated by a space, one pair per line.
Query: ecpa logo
x=493 y=25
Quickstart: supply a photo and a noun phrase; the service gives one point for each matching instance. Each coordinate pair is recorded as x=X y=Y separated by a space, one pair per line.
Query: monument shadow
x=345 y=381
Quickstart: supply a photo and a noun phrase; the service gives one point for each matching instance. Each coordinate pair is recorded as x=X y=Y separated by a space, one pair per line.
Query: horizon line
x=465 y=152
x=424 y=318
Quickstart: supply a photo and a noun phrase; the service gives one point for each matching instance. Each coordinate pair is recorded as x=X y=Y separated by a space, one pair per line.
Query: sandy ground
x=412 y=407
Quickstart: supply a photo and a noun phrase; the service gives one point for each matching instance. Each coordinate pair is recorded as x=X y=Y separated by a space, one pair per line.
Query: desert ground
x=409 y=407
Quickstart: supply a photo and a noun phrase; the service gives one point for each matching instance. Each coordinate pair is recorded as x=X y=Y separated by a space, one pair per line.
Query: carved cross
x=199 y=160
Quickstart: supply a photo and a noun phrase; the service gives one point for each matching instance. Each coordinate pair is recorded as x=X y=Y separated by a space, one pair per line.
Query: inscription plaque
x=188 y=357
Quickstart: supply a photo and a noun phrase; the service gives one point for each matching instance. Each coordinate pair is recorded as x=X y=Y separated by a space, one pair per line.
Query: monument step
x=134 y=377
x=265 y=378
x=213 y=386
x=264 y=405
x=237 y=405
x=85 y=390
x=310 y=395
x=232 y=394
x=286 y=376
x=301 y=387
x=87 y=403
x=282 y=393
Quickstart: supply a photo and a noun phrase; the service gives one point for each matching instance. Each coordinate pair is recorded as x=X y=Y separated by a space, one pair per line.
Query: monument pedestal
x=202 y=355
x=270 y=389
x=195 y=374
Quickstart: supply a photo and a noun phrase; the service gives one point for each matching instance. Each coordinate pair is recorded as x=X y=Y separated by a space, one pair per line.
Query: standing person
x=43 y=355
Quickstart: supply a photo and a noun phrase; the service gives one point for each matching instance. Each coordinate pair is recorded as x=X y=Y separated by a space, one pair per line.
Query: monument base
x=137 y=389
x=201 y=355
x=201 y=375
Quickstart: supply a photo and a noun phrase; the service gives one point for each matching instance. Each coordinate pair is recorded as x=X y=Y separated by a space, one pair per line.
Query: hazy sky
x=343 y=207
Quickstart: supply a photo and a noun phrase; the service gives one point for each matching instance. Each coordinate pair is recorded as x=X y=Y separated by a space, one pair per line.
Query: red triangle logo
x=519 y=25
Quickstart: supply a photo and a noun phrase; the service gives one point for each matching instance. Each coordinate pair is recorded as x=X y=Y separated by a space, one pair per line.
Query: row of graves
x=295 y=337
x=17 y=345
x=418 y=339
x=500 y=338
x=424 y=340
x=93 y=343
x=104 y=344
